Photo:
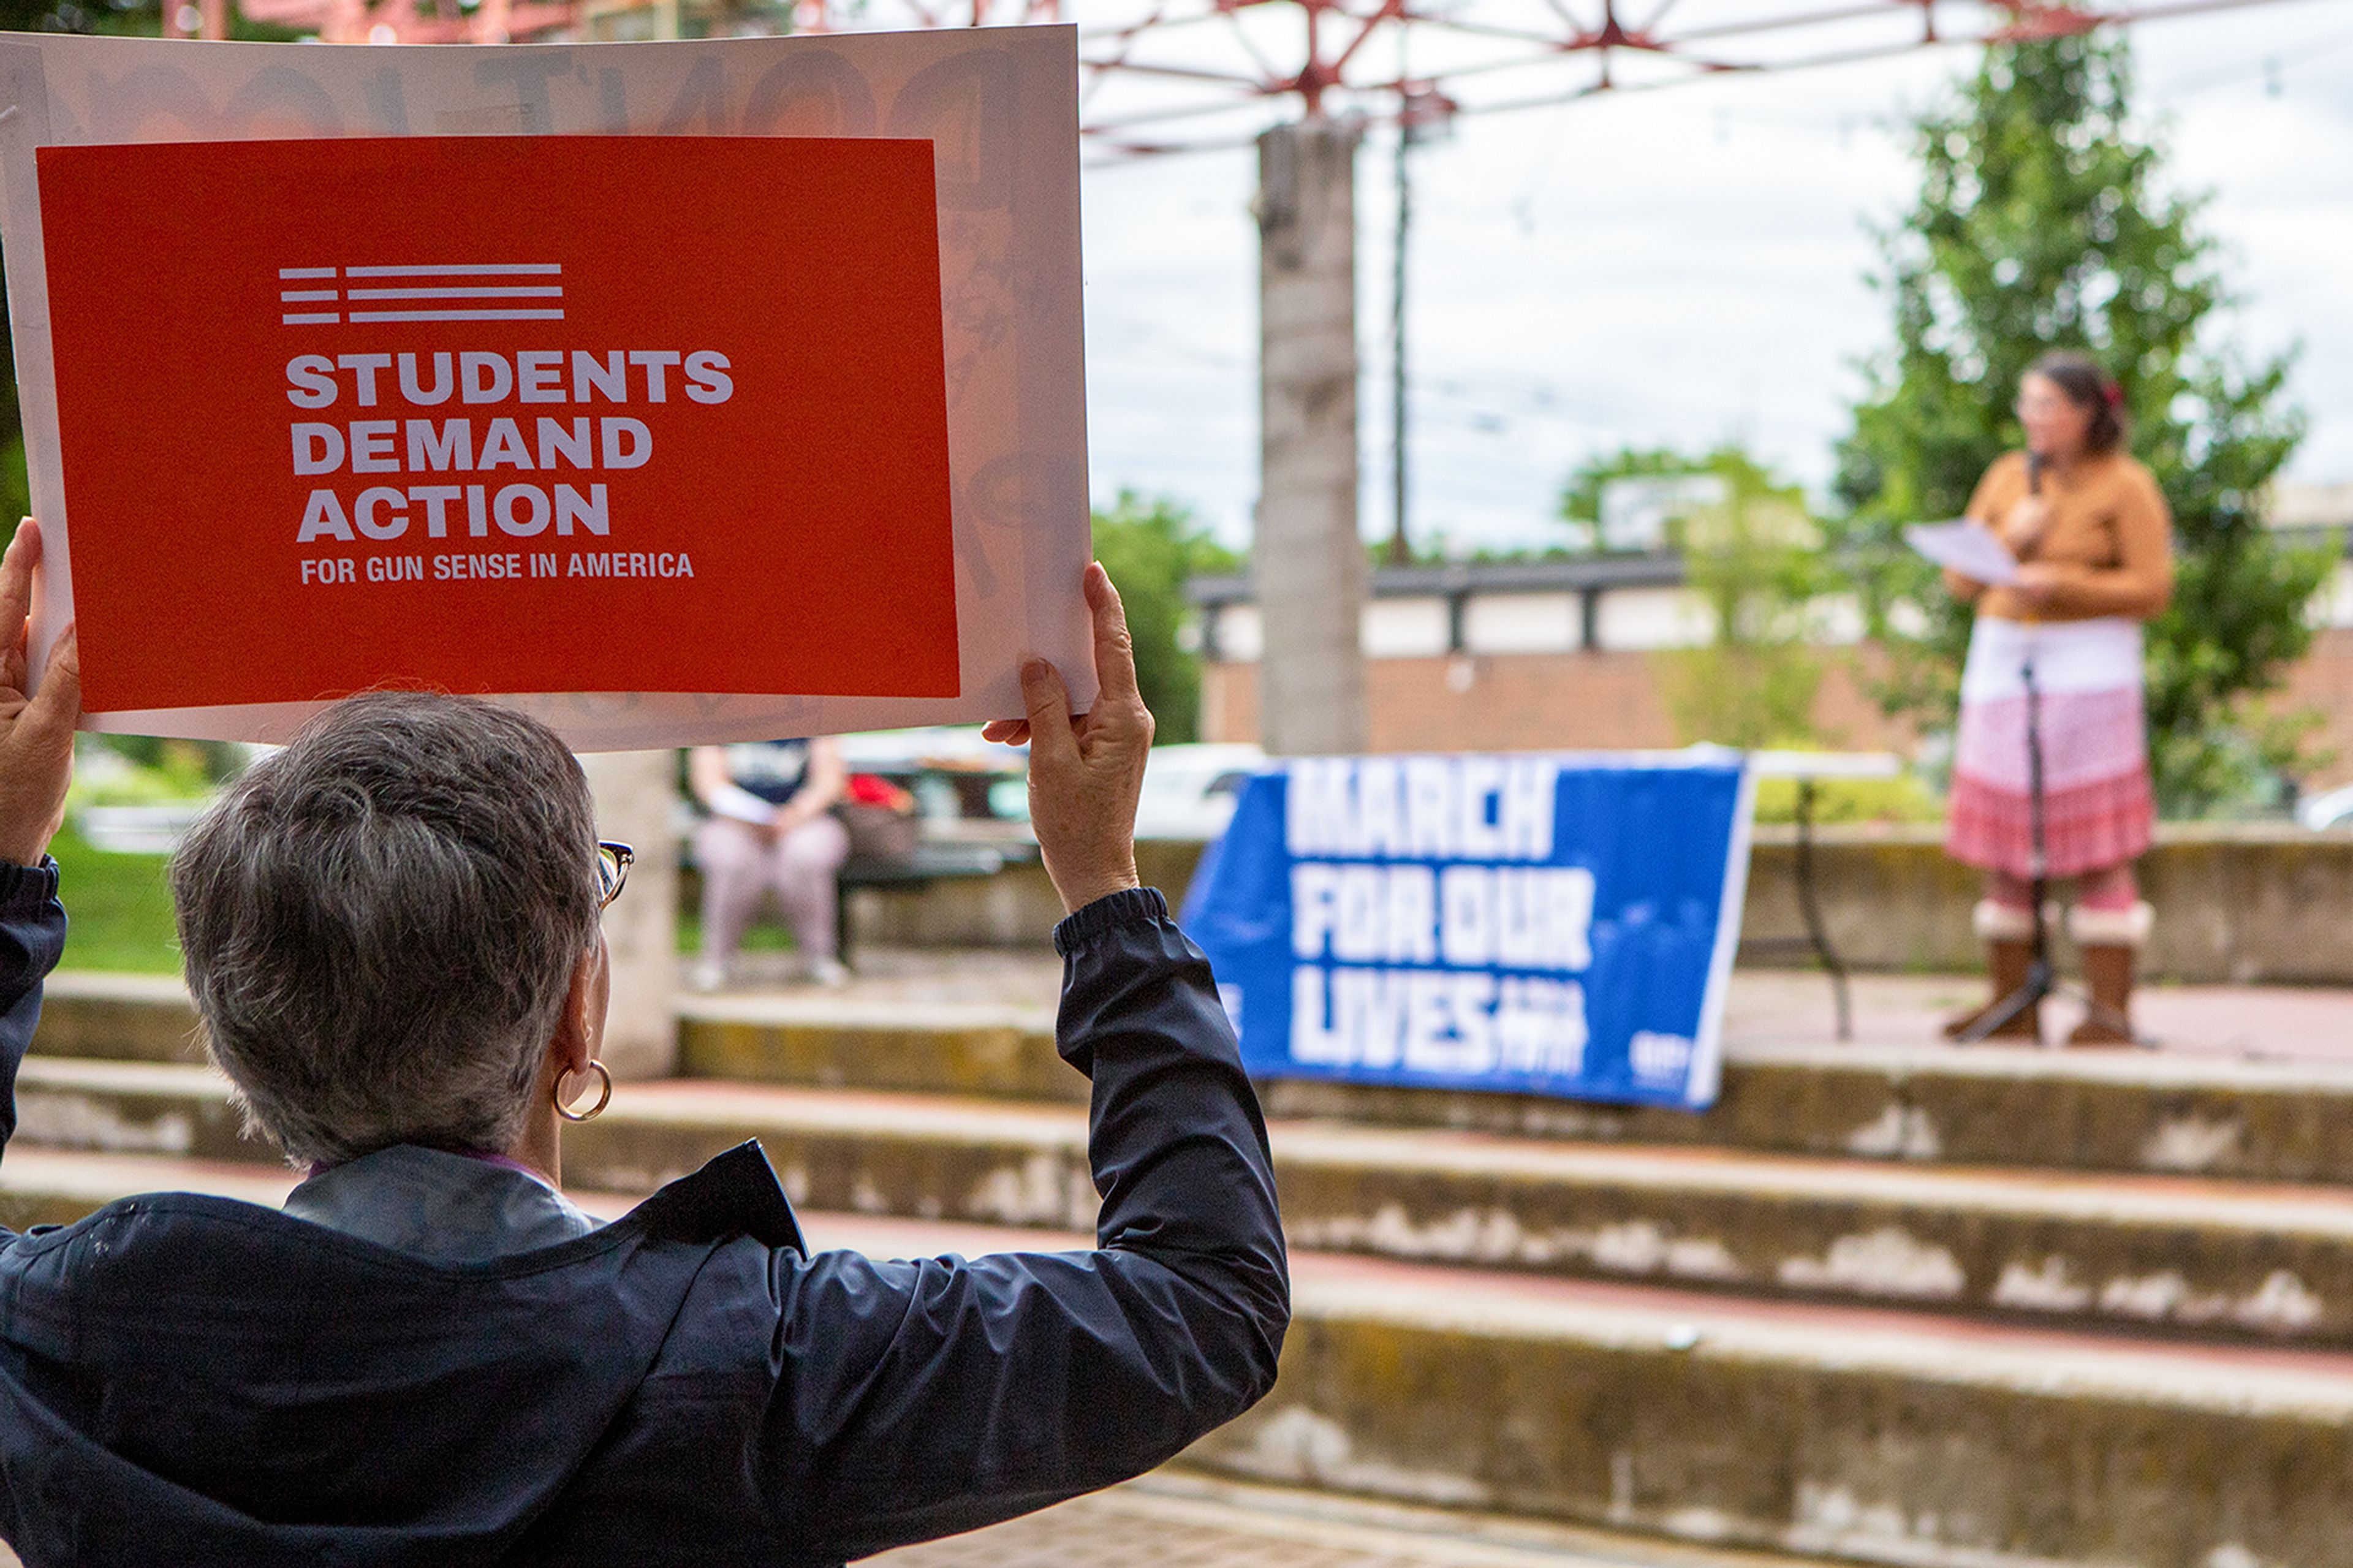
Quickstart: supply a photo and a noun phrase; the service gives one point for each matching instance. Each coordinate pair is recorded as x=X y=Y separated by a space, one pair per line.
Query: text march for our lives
x=1554 y=925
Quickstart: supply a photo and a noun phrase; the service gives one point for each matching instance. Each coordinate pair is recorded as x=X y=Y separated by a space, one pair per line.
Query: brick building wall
x=1616 y=701
x=1581 y=654
x=2322 y=682
x=1534 y=701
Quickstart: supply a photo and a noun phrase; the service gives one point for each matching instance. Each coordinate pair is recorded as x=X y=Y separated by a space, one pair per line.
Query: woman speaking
x=2094 y=541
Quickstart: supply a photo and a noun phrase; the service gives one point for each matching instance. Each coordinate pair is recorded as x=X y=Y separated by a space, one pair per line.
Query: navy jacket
x=193 y=1380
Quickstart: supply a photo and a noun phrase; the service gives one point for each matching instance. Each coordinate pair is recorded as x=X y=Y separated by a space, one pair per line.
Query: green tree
x=74 y=16
x=1752 y=551
x=2041 y=224
x=1150 y=546
x=1580 y=497
x=15 y=486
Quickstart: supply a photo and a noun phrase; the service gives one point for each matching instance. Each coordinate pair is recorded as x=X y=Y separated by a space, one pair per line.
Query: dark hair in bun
x=2088 y=388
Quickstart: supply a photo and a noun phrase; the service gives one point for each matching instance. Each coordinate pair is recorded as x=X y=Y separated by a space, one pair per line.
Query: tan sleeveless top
x=2111 y=535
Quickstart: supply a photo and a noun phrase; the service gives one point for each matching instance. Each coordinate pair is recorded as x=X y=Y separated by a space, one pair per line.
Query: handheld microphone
x=2033 y=472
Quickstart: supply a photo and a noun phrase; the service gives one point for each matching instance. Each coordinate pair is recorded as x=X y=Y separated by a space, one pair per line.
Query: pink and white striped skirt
x=2097 y=809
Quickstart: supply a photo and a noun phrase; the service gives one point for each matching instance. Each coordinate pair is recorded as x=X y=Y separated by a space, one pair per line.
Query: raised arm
x=918 y=1399
x=35 y=764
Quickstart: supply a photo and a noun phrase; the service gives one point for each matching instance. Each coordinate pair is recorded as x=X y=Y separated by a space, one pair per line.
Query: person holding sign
x=2092 y=537
x=391 y=930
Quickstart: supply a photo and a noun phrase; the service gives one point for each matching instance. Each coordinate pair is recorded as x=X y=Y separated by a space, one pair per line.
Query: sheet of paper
x=741 y=805
x=665 y=388
x=1967 y=547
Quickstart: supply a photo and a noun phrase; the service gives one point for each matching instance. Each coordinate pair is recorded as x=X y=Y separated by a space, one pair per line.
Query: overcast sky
x=1677 y=267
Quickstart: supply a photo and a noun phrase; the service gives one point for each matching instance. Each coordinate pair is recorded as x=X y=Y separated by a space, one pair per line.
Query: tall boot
x=2110 y=942
x=2009 y=935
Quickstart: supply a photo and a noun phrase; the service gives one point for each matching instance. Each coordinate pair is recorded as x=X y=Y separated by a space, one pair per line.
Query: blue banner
x=1554 y=925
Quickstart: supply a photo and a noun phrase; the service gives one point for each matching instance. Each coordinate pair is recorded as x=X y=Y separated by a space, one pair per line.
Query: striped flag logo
x=493 y=291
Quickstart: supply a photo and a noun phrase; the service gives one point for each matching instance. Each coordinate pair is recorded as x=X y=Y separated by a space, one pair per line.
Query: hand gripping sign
x=1527 y=924
x=671 y=392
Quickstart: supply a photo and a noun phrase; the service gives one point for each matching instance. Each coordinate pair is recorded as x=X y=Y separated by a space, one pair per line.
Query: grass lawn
x=118 y=912
x=766 y=935
x=118 y=909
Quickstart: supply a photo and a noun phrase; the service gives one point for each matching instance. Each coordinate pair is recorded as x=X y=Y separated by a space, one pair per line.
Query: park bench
x=933 y=861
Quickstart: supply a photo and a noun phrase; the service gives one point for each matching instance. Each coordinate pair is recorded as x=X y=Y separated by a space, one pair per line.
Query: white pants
x=740 y=864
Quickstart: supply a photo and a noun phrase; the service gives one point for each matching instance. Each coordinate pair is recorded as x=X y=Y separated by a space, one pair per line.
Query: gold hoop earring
x=604 y=1097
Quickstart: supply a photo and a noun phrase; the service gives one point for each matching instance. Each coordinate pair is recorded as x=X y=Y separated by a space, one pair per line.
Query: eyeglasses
x=613 y=863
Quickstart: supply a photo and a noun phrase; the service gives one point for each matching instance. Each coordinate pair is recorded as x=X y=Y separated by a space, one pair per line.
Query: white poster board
x=999 y=107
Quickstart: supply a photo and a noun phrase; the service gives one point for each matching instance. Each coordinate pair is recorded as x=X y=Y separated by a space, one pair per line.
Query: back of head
x=381 y=921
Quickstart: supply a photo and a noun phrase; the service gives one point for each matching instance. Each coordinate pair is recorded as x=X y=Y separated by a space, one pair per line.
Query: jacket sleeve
x=32 y=937
x=919 y=1399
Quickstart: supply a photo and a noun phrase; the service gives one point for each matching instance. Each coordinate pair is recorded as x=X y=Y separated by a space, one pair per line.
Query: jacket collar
x=452 y=1208
x=735 y=1194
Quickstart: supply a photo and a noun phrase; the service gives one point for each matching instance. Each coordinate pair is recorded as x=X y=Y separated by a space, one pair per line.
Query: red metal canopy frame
x=1167 y=76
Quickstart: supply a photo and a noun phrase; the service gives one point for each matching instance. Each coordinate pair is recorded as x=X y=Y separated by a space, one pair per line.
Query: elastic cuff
x=2111 y=927
x=2003 y=923
x=1129 y=906
x=26 y=887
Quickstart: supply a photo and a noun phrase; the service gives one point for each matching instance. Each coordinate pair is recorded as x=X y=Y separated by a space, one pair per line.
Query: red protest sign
x=501 y=415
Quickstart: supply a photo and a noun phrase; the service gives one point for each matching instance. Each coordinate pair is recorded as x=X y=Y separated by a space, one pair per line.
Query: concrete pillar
x=635 y=792
x=1309 y=561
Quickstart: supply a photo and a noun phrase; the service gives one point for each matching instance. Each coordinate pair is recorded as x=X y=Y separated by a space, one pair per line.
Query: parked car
x=964 y=787
x=1189 y=791
x=2330 y=808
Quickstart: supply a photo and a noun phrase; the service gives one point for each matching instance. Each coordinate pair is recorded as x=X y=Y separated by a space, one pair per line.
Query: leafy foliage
x=2039 y=224
x=1755 y=559
x=1580 y=498
x=1880 y=801
x=121 y=908
x=73 y=17
x=1150 y=546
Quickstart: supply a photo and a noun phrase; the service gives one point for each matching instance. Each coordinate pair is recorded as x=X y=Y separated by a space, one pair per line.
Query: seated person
x=771 y=830
x=431 y=1356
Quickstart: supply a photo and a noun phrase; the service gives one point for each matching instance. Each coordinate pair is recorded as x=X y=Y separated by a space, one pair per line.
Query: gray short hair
x=380 y=923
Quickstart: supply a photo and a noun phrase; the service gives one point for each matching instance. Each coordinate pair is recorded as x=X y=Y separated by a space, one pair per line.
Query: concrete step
x=1190 y=1517
x=1913 y=1439
x=1986 y=1105
x=50 y=1187
x=2170 y=1254
x=1884 y=1437
x=830 y=1042
x=95 y=1014
x=129 y=1108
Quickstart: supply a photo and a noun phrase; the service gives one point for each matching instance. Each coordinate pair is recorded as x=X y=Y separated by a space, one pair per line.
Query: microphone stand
x=2039 y=977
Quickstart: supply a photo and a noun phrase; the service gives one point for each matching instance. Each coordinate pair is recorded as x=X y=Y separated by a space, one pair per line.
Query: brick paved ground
x=1179 y=1521
x=1175 y=1522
